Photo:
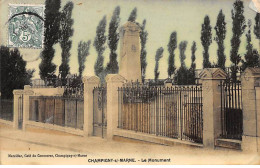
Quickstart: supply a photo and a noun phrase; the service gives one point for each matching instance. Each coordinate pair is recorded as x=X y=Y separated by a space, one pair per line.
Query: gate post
x=17 y=93
x=211 y=99
x=250 y=83
x=26 y=104
x=89 y=83
x=113 y=82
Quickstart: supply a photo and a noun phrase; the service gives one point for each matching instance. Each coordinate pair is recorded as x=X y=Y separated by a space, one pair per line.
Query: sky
x=162 y=16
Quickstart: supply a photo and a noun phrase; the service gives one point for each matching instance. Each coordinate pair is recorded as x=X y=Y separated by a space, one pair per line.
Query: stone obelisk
x=130 y=62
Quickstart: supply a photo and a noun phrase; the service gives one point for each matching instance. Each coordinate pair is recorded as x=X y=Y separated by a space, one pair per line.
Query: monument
x=130 y=62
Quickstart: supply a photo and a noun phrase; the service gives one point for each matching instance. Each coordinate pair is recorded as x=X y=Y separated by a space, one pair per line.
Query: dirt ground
x=38 y=146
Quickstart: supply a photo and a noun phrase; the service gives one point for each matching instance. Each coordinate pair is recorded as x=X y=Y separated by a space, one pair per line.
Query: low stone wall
x=153 y=138
x=73 y=131
x=47 y=91
x=6 y=122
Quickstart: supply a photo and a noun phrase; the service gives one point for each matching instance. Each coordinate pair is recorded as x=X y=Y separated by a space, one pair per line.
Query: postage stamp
x=26 y=26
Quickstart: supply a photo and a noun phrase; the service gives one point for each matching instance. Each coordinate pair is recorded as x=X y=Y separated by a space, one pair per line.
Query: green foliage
x=220 y=29
x=13 y=72
x=143 y=38
x=251 y=58
x=158 y=56
x=191 y=78
x=133 y=15
x=183 y=74
x=257 y=25
x=172 y=45
x=51 y=24
x=113 y=37
x=83 y=52
x=182 y=49
x=99 y=43
x=206 y=40
x=66 y=32
x=237 y=29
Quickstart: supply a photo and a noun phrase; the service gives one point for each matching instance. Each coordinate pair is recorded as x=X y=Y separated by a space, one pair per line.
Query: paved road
x=51 y=147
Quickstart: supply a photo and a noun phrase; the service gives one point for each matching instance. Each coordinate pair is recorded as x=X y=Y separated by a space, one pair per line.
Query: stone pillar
x=113 y=82
x=130 y=62
x=250 y=82
x=26 y=104
x=89 y=83
x=17 y=94
x=168 y=83
x=211 y=99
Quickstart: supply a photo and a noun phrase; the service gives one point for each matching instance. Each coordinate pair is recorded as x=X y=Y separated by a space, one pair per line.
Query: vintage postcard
x=130 y=82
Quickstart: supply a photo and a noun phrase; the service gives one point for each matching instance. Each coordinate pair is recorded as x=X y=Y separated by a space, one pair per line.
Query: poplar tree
x=251 y=57
x=220 y=29
x=257 y=27
x=133 y=15
x=83 y=52
x=206 y=40
x=172 y=45
x=99 y=43
x=51 y=25
x=237 y=29
x=193 y=64
x=143 y=38
x=66 y=32
x=181 y=77
x=158 y=56
x=113 y=37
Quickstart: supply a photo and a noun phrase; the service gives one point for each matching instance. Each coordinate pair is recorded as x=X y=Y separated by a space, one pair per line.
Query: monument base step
x=228 y=143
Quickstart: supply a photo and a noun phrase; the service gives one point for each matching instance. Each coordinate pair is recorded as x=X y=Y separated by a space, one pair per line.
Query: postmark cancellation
x=26 y=26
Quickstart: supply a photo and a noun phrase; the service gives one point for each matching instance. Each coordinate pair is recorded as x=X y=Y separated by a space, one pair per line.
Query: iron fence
x=231 y=110
x=63 y=111
x=174 y=112
x=72 y=81
x=74 y=92
x=99 y=111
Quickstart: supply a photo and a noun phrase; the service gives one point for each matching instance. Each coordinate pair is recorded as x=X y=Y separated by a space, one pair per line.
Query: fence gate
x=20 y=112
x=231 y=110
x=99 y=112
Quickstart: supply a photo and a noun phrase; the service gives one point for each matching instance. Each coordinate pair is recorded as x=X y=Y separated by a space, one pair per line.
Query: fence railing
x=100 y=111
x=61 y=111
x=174 y=112
x=72 y=81
x=231 y=110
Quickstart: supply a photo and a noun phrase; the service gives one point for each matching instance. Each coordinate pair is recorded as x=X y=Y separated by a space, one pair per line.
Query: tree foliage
x=206 y=40
x=192 y=69
x=220 y=29
x=133 y=15
x=51 y=25
x=158 y=56
x=113 y=37
x=182 y=49
x=66 y=32
x=99 y=43
x=172 y=45
x=257 y=26
x=237 y=29
x=83 y=52
x=143 y=38
x=182 y=74
x=251 y=56
x=13 y=72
